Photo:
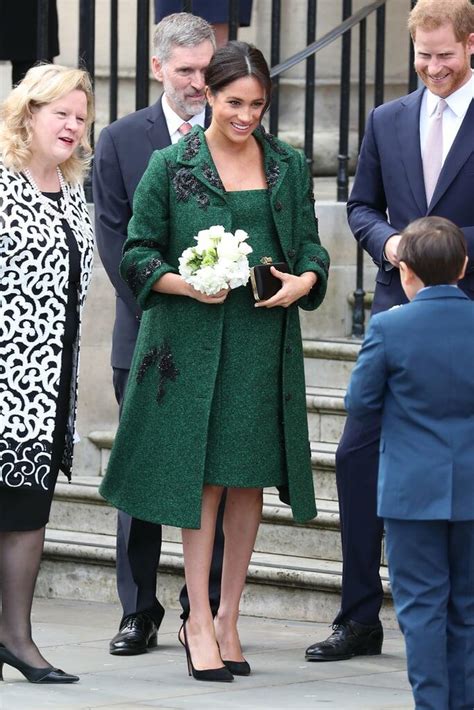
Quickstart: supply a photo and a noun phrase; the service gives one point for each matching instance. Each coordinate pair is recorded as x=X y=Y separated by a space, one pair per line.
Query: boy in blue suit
x=416 y=367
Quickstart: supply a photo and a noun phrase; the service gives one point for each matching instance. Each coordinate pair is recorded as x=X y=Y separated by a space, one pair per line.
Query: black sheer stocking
x=20 y=556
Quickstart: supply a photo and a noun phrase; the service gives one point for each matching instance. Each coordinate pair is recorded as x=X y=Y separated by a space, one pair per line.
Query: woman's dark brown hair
x=237 y=60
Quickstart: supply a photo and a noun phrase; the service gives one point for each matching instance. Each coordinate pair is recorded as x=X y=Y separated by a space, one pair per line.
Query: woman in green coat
x=216 y=394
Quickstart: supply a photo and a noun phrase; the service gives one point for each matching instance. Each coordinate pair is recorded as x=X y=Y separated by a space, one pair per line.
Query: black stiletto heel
x=237 y=667
x=34 y=675
x=222 y=674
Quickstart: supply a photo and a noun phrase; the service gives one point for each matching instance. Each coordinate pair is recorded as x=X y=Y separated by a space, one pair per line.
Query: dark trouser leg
x=361 y=529
x=138 y=548
x=138 y=557
x=216 y=567
x=461 y=616
x=418 y=558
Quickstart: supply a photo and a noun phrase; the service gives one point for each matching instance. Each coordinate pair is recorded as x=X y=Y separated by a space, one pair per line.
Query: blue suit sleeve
x=143 y=261
x=366 y=390
x=367 y=204
x=112 y=214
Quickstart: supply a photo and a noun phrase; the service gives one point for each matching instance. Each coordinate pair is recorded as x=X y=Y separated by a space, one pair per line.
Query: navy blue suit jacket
x=121 y=157
x=390 y=177
x=416 y=368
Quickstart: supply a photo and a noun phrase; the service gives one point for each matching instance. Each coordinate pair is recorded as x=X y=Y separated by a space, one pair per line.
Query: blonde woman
x=46 y=256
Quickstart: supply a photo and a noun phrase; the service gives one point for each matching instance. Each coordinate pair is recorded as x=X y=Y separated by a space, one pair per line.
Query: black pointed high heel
x=34 y=675
x=222 y=674
x=238 y=667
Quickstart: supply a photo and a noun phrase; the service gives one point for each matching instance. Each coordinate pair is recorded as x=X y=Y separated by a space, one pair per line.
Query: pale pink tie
x=433 y=151
x=185 y=128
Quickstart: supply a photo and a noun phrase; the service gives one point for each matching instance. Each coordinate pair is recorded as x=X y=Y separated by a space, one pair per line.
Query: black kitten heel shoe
x=222 y=675
x=34 y=675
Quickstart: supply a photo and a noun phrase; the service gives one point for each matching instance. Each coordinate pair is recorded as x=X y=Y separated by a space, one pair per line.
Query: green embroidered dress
x=216 y=393
x=248 y=384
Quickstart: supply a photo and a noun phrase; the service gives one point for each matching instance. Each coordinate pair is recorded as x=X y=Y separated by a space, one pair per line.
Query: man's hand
x=390 y=249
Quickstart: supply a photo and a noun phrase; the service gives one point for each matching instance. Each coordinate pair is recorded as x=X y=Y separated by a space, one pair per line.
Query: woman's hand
x=293 y=288
x=175 y=285
x=203 y=298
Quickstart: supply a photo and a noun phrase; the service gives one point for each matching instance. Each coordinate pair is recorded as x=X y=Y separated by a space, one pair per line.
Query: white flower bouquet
x=218 y=261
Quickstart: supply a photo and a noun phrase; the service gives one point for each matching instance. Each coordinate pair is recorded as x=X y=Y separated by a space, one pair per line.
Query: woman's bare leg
x=243 y=512
x=20 y=557
x=197 y=550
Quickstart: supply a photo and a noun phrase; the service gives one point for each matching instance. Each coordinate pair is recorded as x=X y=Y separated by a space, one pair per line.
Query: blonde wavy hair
x=42 y=85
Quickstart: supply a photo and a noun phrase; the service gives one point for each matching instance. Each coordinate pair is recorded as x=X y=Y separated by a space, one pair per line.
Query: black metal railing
x=374 y=10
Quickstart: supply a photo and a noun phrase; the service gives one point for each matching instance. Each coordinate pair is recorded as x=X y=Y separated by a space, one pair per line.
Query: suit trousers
x=139 y=549
x=357 y=460
x=431 y=564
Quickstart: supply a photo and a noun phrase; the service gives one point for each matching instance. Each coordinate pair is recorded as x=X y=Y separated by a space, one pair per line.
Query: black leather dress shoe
x=348 y=639
x=137 y=633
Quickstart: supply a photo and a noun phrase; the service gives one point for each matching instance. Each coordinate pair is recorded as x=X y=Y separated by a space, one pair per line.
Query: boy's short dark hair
x=434 y=248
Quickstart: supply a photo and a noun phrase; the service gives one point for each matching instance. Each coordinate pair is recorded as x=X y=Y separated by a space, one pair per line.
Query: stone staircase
x=295 y=570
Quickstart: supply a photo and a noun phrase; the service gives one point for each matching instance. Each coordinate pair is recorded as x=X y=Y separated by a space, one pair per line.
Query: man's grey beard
x=190 y=108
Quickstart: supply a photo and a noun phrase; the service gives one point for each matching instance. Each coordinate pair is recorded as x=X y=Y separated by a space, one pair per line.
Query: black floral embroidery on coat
x=272 y=173
x=147 y=243
x=317 y=260
x=162 y=359
x=137 y=278
x=212 y=177
x=186 y=184
x=272 y=141
x=193 y=145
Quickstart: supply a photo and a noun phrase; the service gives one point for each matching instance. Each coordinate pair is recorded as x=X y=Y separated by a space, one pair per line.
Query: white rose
x=245 y=248
x=204 y=241
x=241 y=235
x=228 y=248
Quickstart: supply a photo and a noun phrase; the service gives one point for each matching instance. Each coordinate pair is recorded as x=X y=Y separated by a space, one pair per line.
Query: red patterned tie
x=185 y=128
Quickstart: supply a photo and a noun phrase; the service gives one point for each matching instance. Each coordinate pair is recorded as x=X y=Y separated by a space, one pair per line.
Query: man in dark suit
x=417 y=159
x=183 y=45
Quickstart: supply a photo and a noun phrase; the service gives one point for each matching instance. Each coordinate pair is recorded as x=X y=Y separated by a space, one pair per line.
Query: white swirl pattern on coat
x=34 y=272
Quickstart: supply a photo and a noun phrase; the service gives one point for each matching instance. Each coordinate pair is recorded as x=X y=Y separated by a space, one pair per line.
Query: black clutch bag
x=264 y=284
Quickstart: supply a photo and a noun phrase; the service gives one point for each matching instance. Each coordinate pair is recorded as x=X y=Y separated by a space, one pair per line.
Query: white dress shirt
x=453 y=115
x=173 y=121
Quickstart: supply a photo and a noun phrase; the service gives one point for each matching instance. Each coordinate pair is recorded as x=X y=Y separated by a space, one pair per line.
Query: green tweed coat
x=157 y=464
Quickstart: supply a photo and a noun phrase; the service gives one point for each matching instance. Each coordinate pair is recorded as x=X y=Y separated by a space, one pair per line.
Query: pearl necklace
x=64 y=203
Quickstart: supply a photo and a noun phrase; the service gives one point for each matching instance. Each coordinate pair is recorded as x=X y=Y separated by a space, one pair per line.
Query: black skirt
x=22 y=508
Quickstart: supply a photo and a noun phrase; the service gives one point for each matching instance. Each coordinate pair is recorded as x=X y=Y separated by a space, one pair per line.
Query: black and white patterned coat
x=34 y=271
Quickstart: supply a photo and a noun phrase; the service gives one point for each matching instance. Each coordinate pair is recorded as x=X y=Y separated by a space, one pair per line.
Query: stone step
x=326 y=413
x=78 y=507
x=329 y=362
x=323 y=462
x=80 y=565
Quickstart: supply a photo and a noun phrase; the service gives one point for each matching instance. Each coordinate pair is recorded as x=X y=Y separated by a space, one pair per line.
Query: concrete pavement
x=74 y=636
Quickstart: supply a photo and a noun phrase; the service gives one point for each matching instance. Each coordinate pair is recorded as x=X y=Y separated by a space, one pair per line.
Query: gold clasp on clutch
x=266 y=260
